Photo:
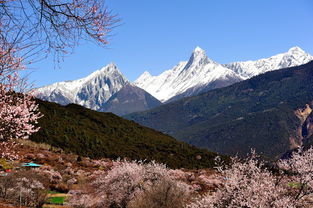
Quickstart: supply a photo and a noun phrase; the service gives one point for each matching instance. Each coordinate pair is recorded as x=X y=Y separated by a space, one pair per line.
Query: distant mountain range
x=201 y=74
x=98 y=91
x=271 y=112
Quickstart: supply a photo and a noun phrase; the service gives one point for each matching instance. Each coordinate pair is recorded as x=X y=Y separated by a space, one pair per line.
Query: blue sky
x=154 y=35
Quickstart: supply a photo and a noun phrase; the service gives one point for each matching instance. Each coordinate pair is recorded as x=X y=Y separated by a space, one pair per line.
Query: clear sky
x=154 y=35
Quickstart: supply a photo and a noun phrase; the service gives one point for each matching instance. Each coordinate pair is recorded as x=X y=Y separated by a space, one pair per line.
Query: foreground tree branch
x=39 y=27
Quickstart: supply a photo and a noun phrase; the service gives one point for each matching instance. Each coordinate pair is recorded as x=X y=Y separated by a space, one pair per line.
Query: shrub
x=250 y=184
x=125 y=182
x=25 y=188
x=166 y=193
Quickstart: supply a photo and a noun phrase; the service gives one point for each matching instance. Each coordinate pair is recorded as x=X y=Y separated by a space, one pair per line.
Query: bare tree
x=36 y=28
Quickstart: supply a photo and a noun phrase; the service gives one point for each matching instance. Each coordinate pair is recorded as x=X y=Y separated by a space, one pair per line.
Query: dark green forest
x=96 y=135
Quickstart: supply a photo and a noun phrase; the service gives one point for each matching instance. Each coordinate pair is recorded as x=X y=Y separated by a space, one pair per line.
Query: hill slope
x=96 y=135
x=130 y=99
x=256 y=113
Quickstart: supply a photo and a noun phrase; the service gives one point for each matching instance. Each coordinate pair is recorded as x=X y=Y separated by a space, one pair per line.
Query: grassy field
x=56 y=198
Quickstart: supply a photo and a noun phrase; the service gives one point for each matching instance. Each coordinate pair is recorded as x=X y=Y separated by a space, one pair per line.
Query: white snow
x=247 y=69
x=184 y=79
x=200 y=71
x=91 y=91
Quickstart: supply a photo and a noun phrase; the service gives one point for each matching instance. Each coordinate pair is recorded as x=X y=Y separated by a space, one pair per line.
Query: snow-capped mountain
x=198 y=74
x=92 y=91
x=186 y=78
x=247 y=69
x=201 y=74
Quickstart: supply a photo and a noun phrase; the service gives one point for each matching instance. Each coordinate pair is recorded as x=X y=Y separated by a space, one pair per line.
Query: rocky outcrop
x=305 y=129
x=303 y=113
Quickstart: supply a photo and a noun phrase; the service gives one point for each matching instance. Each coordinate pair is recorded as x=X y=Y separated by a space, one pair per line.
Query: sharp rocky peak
x=110 y=68
x=145 y=74
x=198 y=50
x=143 y=77
x=198 y=57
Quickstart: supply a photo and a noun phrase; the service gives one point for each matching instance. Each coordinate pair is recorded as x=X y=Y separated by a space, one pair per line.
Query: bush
x=166 y=194
x=250 y=184
x=25 y=188
x=126 y=183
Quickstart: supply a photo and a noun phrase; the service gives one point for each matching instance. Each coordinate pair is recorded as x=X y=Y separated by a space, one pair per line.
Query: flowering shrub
x=127 y=181
x=300 y=170
x=52 y=175
x=166 y=193
x=24 y=188
x=249 y=184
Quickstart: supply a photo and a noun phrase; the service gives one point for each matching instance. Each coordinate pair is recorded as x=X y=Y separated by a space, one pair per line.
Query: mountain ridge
x=188 y=78
x=198 y=71
x=235 y=72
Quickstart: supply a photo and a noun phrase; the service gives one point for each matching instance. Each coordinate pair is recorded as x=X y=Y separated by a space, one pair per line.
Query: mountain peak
x=197 y=58
x=146 y=74
x=110 y=67
x=295 y=49
x=198 y=50
x=143 y=77
x=107 y=70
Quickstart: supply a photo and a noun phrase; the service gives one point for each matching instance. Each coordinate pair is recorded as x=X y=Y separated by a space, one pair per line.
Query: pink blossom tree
x=23 y=188
x=18 y=111
x=248 y=183
x=128 y=184
x=299 y=168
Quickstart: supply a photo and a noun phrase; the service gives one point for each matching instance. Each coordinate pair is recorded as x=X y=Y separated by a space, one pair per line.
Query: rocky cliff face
x=305 y=129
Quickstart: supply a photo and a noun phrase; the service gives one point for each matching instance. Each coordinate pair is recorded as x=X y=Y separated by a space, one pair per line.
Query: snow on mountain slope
x=198 y=74
x=92 y=91
x=201 y=74
x=195 y=74
x=294 y=57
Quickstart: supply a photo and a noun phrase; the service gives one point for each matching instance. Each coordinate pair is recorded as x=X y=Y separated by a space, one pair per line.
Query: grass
x=54 y=192
x=57 y=200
